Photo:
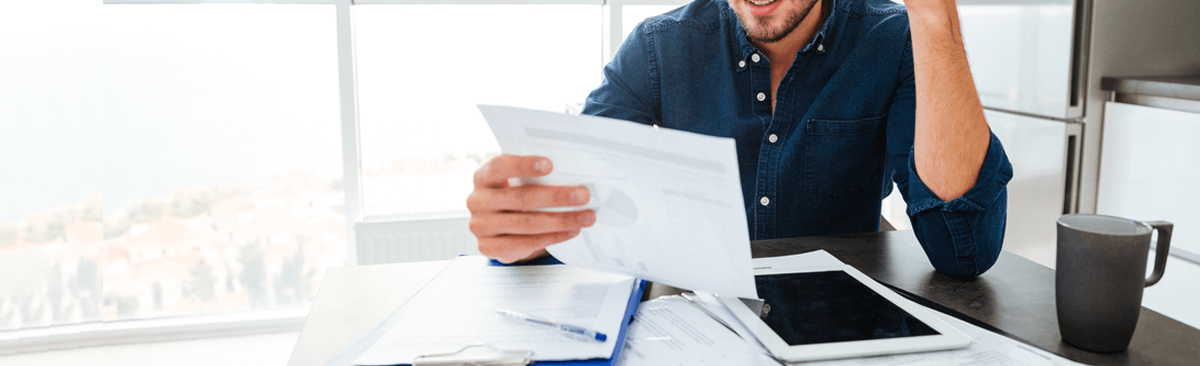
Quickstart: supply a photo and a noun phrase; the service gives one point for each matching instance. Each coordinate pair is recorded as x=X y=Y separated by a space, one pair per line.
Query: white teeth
x=762 y=3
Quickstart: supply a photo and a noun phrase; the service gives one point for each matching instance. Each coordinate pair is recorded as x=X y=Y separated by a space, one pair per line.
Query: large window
x=175 y=158
x=223 y=144
x=191 y=169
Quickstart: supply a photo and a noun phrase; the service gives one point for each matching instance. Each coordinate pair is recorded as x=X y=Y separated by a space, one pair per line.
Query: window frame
x=175 y=328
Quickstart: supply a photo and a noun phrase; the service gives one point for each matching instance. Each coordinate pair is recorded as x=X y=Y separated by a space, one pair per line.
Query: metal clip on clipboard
x=472 y=356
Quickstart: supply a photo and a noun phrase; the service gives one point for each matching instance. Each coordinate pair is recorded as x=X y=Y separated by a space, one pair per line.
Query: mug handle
x=1160 y=255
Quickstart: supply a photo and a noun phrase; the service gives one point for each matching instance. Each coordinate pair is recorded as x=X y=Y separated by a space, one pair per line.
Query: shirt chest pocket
x=844 y=156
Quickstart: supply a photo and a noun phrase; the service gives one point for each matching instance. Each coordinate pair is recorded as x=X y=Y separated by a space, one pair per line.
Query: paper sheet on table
x=458 y=308
x=671 y=331
x=814 y=258
x=668 y=203
x=715 y=307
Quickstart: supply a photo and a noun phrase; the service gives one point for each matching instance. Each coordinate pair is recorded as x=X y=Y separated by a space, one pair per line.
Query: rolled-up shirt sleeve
x=962 y=237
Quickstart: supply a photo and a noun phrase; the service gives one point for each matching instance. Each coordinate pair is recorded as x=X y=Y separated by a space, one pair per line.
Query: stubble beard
x=765 y=34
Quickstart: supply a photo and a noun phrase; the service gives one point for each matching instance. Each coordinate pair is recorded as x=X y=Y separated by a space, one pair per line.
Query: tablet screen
x=832 y=306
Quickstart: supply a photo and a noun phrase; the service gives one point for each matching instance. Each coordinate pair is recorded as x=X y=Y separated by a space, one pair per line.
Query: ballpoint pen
x=572 y=329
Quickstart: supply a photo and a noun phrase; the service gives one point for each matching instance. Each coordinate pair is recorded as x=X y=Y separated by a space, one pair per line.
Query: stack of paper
x=672 y=331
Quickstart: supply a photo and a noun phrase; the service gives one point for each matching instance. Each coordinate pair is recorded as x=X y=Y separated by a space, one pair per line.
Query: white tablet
x=830 y=312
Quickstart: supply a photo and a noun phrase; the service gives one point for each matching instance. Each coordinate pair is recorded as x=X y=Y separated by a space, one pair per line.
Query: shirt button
x=764 y=201
x=772 y=139
x=821 y=47
x=742 y=63
x=762 y=96
x=755 y=57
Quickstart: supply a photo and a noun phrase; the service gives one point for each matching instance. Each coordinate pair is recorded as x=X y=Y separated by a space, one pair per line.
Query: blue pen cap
x=601 y=337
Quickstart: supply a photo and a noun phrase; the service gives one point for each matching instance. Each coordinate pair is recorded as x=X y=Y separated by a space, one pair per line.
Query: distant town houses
x=204 y=249
x=262 y=248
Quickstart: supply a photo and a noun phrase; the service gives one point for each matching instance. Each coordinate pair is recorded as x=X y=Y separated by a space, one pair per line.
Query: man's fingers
x=495 y=173
x=501 y=216
x=512 y=248
x=530 y=223
x=525 y=198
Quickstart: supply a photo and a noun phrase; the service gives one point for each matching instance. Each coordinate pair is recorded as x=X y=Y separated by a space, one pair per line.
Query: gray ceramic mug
x=1100 y=277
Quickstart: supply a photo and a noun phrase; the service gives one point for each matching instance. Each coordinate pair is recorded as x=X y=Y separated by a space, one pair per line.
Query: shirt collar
x=747 y=48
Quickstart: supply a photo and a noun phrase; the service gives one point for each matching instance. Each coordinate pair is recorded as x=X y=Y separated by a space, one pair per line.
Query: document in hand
x=668 y=203
x=458 y=309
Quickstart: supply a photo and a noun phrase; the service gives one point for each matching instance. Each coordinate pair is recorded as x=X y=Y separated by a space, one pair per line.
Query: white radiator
x=414 y=237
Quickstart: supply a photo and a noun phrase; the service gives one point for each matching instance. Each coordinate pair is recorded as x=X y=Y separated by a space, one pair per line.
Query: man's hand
x=503 y=217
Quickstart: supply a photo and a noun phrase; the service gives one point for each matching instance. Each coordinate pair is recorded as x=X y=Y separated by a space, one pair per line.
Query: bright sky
x=48 y=89
x=133 y=101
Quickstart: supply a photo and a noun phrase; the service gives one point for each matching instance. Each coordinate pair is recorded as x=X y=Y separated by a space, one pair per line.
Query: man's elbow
x=985 y=256
x=963 y=244
x=965 y=273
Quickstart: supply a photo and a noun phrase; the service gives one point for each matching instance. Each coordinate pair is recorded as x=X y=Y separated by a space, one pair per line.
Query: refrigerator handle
x=1071 y=167
x=1081 y=38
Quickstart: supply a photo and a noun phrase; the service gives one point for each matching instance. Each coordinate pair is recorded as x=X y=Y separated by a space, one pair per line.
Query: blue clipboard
x=631 y=307
x=352 y=352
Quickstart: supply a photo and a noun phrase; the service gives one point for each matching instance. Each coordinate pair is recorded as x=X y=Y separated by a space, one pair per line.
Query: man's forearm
x=951 y=137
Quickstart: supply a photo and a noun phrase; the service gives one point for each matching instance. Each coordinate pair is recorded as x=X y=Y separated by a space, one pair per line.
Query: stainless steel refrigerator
x=1029 y=64
x=1037 y=65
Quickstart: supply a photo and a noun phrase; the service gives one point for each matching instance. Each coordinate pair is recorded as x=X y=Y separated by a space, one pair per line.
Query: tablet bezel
x=947 y=339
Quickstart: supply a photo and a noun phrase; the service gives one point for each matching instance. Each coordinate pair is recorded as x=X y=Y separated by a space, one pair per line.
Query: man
x=828 y=100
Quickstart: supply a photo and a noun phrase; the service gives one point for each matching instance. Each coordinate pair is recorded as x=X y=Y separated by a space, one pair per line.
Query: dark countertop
x=1179 y=87
x=1014 y=298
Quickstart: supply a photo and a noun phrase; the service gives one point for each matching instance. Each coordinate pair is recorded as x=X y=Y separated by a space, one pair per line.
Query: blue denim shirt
x=841 y=132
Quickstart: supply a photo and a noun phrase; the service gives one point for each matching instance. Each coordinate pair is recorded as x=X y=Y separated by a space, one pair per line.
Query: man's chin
x=790 y=18
x=767 y=36
x=763 y=33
